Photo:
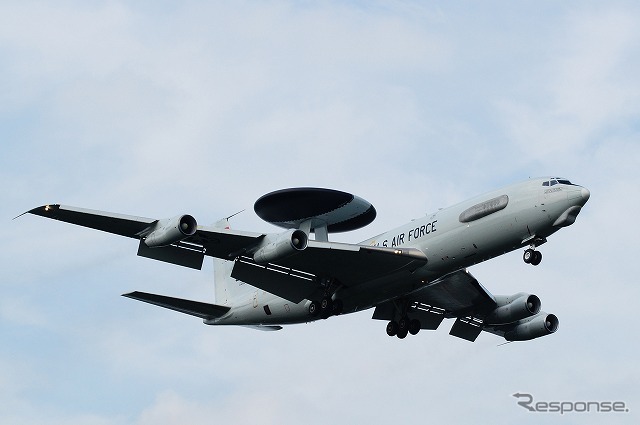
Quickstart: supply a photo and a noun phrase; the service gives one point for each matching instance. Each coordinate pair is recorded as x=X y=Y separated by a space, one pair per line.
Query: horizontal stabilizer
x=194 y=308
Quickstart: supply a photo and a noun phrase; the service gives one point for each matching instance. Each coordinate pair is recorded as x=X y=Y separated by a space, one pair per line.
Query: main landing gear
x=403 y=327
x=326 y=307
x=531 y=256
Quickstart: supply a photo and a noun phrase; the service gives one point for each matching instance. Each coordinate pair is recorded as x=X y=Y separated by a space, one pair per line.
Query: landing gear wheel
x=403 y=325
x=392 y=328
x=537 y=258
x=402 y=333
x=314 y=308
x=528 y=256
x=414 y=326
x=326 y=307
x=337 y=307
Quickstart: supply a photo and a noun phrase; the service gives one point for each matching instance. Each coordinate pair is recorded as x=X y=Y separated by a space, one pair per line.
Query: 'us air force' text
x=411 y=235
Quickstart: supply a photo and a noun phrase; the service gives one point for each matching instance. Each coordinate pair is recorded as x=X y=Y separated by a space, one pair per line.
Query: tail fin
x=226 y=288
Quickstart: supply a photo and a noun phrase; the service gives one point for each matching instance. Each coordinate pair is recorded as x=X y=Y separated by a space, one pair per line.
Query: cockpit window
x=557 y=180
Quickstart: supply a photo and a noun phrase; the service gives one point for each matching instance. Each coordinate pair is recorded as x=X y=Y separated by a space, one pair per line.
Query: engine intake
x=513 y=308
x=280 y=245
x=171 y=230
x=534 y=327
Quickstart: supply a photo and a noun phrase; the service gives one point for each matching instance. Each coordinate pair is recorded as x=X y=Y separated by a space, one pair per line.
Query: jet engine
x=513 y=308
x=171 y=230
x=534 y=327
x=280 y=245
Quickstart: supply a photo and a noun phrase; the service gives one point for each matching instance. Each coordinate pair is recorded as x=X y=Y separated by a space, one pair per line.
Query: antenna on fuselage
x=223 y=223
x=233 y=215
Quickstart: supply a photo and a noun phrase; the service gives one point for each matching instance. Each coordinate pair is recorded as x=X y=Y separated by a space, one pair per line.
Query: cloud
x=584 y=91
x=202 y=108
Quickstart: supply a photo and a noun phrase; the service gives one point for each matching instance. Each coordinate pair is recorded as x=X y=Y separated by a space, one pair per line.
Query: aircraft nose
x=585 y=194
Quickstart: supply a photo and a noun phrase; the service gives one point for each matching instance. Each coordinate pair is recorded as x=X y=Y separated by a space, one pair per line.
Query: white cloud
x=586 y=89
x=164 y=109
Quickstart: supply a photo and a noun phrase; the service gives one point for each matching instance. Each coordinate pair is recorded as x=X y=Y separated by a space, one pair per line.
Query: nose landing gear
x=531 y=256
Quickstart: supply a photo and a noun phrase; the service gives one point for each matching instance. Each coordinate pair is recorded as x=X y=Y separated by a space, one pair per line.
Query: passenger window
x=545 y=184
x=553 y=182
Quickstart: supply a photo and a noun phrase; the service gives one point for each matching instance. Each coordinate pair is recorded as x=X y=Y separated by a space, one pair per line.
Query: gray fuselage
x=452 y=238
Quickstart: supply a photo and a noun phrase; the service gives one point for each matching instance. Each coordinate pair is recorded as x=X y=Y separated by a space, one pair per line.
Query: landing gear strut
x=531 y=256
x=404 y=325
x=327 y=306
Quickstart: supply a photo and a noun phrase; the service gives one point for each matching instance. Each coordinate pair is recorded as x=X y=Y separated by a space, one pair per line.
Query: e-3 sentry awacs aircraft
x=414 y=276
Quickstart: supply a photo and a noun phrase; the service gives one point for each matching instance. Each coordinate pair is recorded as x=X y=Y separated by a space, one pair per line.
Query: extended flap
x=181 y=256
x=292 y=285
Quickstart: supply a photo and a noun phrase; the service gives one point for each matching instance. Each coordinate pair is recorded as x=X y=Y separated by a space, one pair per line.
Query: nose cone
x=585 y=194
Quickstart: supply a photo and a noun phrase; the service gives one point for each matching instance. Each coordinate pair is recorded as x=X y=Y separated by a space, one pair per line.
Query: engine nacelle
x=280 y=245
x=534 y=327
x=171 y=230
x=514 y=308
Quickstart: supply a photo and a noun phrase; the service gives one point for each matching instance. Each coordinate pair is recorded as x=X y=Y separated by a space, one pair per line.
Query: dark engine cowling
x=534 y=327
x=513 y=308
x=280 y=245
x=171 y=230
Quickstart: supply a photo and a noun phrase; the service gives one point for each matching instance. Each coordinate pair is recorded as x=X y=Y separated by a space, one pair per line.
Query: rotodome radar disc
x=339 y=211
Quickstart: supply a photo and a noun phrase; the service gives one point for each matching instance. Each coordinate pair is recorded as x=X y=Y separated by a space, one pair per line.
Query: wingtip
x=44 y=210
x=18 y=216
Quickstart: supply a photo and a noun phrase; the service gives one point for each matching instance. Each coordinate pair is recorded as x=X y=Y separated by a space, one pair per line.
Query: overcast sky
x=162 y=108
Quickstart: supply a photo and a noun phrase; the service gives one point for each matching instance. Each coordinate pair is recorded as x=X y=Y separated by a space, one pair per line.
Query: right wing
x=298 y=276
x=119 y=224
x=221 y=243
x=294 y=278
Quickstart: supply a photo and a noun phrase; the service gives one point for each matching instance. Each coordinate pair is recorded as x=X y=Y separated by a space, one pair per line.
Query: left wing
x=459 y=295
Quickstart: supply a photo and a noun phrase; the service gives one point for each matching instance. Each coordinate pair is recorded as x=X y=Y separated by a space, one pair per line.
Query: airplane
x=413 y=276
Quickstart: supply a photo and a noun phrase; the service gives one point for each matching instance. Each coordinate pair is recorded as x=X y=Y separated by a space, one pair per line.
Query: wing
x=299 y=276
x=294 y=278
x=119 y=224
x=459 y=295
x=189 y=252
